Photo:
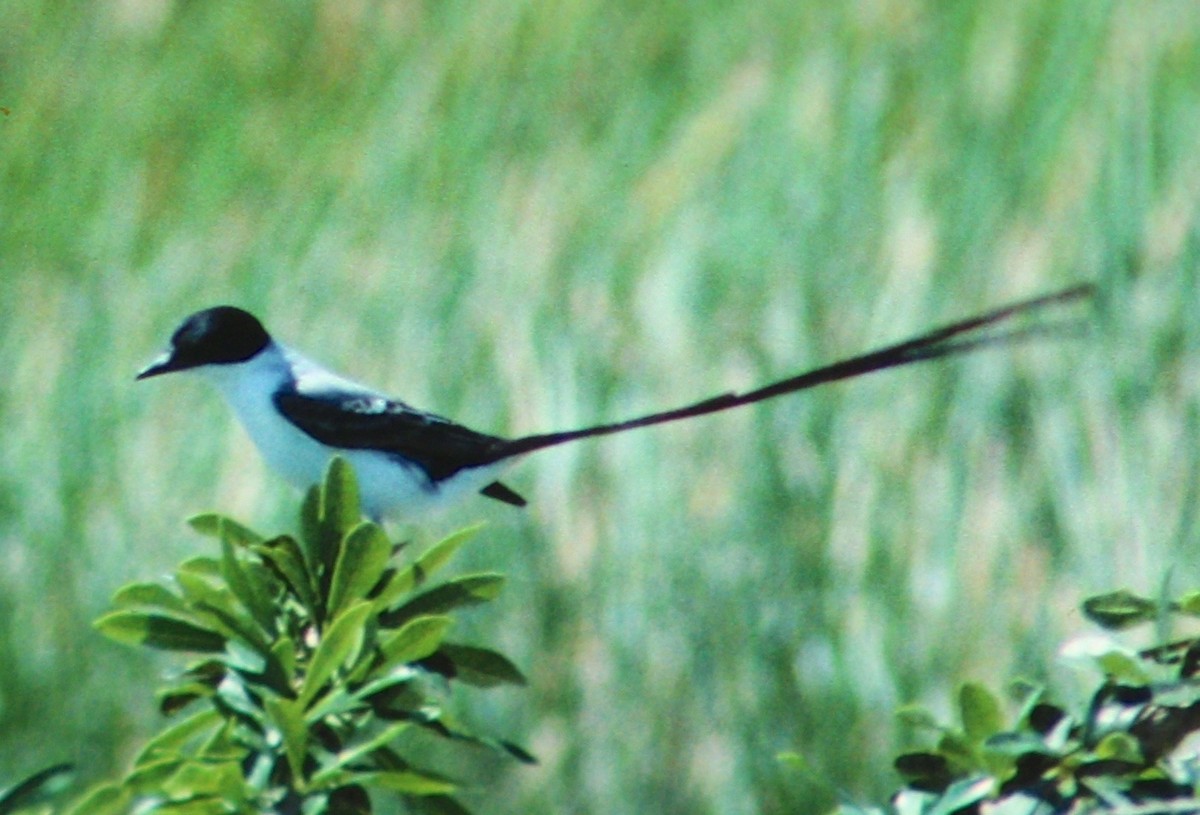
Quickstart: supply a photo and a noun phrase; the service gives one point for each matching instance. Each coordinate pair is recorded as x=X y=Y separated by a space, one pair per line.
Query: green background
x=537 y=215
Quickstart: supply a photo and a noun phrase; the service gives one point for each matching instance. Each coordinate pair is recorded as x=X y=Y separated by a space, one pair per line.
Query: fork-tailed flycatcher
x=408 y=461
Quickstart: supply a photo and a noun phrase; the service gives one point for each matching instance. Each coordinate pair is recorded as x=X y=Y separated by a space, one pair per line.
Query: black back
x=440 y=447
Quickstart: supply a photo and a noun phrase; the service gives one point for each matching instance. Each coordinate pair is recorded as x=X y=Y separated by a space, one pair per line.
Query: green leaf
x=151 y=775
x=242 y=657
x=482 y=667
x=199 y=589
x=1015 y=744
x=156 y=631
x=416 y=639
x=340 y=509
x=396 y=676
x=980 y=711
x=194 y=782
x=337 y=701
x=223 y=745
x=201 y=566
x=215 y=606
x=405 y=580
x=105 y=799
x=171 y=741
x=270 y=588
x=341 y=699
x=406 y=782
x=395 y=585
x=1028 y=694
x=232 y=691
x=1189 y=604
x=234 y=625
x=330 y=772
x=437 y=722
x=218 y=526
x=205 y=805
x=175 y=698
x=288 y=717
x=249 y=591
x=918 y=718
x=1122 y=667
x=150 y=596
x=284 y=556
x=342 y=639
x=438 y=555
x=922 y=765
x=962 y=794
x=283 y=653
x=35 y=788
x=469 y=590
x=1119 y=609
x=206 y=523
x=957 y=749
x=361 y=560
x=1121 y=747
x=312 y=537
x=516 y=751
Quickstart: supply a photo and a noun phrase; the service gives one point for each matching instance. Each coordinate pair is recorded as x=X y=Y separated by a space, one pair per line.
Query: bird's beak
x=163 y=364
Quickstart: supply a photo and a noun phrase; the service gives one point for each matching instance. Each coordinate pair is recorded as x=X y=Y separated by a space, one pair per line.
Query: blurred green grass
x=532 y=216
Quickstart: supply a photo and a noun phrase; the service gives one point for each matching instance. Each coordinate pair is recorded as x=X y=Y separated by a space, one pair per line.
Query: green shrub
x=316 y=653
x=1132 y=748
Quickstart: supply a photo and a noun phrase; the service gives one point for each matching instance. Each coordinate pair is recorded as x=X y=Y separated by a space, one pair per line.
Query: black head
x=215 y=336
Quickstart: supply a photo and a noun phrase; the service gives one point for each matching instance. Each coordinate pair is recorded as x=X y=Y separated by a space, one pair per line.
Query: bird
x=410 y=463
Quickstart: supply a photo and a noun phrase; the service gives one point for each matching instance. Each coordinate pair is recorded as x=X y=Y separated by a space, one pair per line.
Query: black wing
x=438 y=446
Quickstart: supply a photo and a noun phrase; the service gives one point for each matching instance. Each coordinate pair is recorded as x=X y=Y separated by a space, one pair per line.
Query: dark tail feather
x=956 y=338
x=500 y=492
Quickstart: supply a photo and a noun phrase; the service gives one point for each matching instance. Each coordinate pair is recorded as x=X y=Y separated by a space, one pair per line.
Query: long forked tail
x=982 y=331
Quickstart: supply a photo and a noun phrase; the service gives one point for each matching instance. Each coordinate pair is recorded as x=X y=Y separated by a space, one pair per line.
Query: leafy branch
x=1131 y=750
x=316 y=654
